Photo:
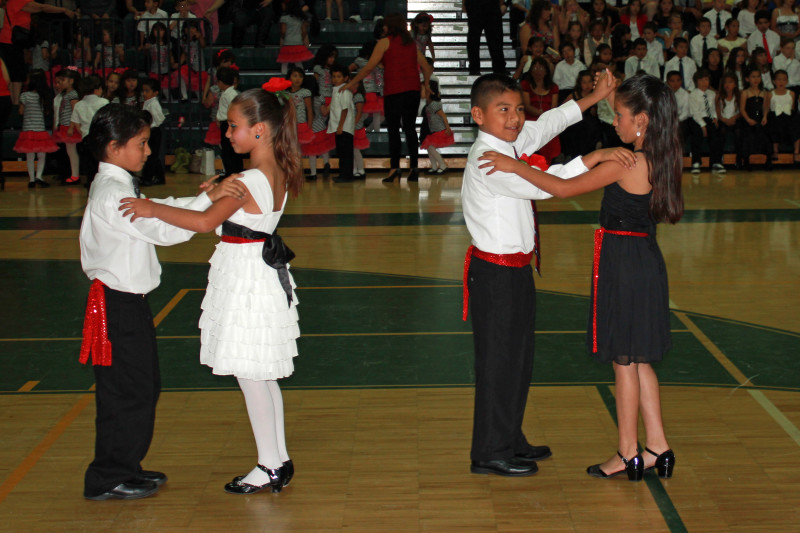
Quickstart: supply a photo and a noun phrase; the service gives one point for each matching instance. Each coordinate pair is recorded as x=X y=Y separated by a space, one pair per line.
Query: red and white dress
x=438 y=137
x=293 y=50
x=34 y=137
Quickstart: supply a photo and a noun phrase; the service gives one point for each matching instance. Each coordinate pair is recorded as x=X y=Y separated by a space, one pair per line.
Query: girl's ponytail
x=287 y=149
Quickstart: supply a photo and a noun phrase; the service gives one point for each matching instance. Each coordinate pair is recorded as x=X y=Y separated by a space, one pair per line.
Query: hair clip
x=278 y=87
x=221 y=51
x=73 y=68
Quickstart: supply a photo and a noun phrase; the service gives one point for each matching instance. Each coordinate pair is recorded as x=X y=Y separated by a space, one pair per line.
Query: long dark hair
x=396 y=27
x=548 y=78
x=115 y=123
x=258 y=105
x=646 y=94
x=37 y=83
x=323 y=53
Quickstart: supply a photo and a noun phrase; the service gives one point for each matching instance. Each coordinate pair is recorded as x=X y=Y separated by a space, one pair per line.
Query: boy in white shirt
x=153 y=171
x=498 y=274
x=702 y=42
x=655 y=48
x=82 y=115
x=341 y=122
x=567 y=70
x=682 y=63
x=232 y=162
x=718 y=16
x=641 y=61
x=675 y=82
x=705 y=125
x=764 y=36
x=151 y=12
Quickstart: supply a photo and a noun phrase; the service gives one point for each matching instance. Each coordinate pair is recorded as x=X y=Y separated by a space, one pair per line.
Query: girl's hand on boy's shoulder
x=137 y=208
x=499 y=162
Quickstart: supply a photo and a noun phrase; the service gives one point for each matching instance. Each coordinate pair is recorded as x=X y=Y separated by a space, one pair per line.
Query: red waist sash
x=517 y=260
x=598 y=245
x=95 y=328
x=239 y=240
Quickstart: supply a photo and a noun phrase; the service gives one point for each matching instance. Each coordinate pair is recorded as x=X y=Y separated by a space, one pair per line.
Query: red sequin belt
x=598 y=246
x=517 y=260
x=239 y=240
x=95 y=328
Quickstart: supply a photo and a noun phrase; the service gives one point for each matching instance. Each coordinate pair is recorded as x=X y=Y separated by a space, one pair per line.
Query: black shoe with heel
x=288 y=468
x=395 y=175
x=277 y=480
x=413 y=175
x=634 y=467
x=665 y=463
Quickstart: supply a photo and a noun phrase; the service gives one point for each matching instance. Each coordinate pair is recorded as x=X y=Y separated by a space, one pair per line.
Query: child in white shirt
x=341 y=122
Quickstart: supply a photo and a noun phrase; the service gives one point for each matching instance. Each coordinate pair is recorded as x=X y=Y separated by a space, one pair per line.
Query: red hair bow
x=535 y=160
x=276 y=85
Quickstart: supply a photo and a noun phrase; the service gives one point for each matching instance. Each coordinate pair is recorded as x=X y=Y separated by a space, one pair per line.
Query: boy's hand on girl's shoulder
x=500 y=162
x=137 y=207
x=623 y=156
x=230 y=187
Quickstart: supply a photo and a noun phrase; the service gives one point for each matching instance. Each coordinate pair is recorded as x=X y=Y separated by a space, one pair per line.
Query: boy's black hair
x=338 y=67
x=650 y=26
x=673 y=73
x=153 y=83
x=594 y=23
x=679 y=40
x=115 y=123
x=639 y=41
x=762 y=14
x=700 y=74
x=489 y=85
x=703 y=19
x=563 y=45
x=226 y=75
x=90 y=84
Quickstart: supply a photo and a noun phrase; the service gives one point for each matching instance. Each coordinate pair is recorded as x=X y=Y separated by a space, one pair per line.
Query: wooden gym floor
x=378 y=413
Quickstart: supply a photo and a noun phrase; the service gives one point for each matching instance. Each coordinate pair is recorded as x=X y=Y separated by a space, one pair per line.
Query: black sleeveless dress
x=632 y=308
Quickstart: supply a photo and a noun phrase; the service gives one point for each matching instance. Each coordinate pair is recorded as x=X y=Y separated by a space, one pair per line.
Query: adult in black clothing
x=485 y=16
x=246 y=13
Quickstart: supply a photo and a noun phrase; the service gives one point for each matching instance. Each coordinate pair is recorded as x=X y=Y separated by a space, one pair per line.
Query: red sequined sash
x=517 y=260
x=598 y=245
x=95 y=328
x=239 y=240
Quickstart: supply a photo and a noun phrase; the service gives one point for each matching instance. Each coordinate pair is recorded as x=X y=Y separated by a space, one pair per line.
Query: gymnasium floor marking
x=28 y=386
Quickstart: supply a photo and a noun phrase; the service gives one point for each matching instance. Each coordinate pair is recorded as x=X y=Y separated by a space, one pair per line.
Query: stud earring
x=259 y=136
x=638 y=134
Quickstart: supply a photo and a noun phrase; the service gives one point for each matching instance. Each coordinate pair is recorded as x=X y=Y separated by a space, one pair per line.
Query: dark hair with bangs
x=646 y=94
x=115 y=123
x=258 y=105
x=490 y=85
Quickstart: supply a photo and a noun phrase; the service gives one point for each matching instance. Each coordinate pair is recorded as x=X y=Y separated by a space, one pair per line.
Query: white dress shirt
x=566 y=75
x=497 y=207
x=225 y=100
x=696 y=47
x=712 y=16
x=682 y=101
x=85 y=109
x=689 y=68
x=121 y=253
x=341 y=101
x=697 y=107
x=747 y=23
x=655 y=50
x=153 y=106
x=633 y=65
x=790 y=65
x=756 y=39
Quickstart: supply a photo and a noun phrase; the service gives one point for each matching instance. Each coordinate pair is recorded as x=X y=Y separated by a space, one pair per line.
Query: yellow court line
x=737 y=374
x=447 y=286
x=61 y=426
x=28 y=386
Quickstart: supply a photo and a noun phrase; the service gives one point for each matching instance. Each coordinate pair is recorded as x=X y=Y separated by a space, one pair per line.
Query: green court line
x=436 y=219
x=660 y=495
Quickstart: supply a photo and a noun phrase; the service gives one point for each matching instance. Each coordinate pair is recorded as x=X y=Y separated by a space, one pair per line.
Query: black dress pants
x=503 y=308
x=344 y=150
x=401 y=110
x=485 y=16
x=715 y=142
x=153 y=171
x=126 y=394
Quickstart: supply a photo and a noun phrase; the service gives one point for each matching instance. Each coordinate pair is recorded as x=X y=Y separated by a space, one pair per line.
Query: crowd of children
x=733 y=66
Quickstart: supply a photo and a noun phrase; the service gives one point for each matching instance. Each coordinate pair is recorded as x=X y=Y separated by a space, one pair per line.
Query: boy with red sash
x=498 y=278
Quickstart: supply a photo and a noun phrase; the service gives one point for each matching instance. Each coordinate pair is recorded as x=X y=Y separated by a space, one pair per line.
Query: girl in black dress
x=629 y=314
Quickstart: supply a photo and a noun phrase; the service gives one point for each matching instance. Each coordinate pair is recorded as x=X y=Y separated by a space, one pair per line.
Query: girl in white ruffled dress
x=249 y=320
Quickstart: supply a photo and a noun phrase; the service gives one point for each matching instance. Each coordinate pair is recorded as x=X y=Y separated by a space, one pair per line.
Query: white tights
x=312 y=162
x=72 y=152
x=437 y=161
x=40 y=169
x=265 y=409
x=358 y=162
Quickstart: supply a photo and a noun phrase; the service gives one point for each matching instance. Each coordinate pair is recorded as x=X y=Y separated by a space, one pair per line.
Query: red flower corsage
x=535 y=160
x=275 y=85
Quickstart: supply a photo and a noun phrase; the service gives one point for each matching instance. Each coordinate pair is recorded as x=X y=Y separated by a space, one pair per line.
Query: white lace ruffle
x=247 y=328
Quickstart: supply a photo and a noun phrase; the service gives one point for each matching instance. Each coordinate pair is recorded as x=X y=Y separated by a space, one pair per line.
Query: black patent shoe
x=288 y=469
x=395 y=175
x=130 y=490
x=413 y=175
x=535 y=453
x=665 y=463
x=634 y=467
x=511 y=467
x=159 y=478
x=277 y=477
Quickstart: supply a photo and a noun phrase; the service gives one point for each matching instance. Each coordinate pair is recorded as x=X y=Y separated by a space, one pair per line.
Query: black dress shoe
x=535 y=453
x=159 y=478
x=130 y=490
x=288 y=470
x=504 y=467
x=41 y=184
x=413 y=175
x=665 y=463
x=634 y=467
x=277 y=480
x=396 y=174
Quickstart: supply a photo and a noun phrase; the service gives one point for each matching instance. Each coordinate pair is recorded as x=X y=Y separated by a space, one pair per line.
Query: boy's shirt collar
x=497 y=143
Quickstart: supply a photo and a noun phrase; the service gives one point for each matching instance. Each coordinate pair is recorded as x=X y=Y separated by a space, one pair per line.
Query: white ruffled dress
x=247 y=329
